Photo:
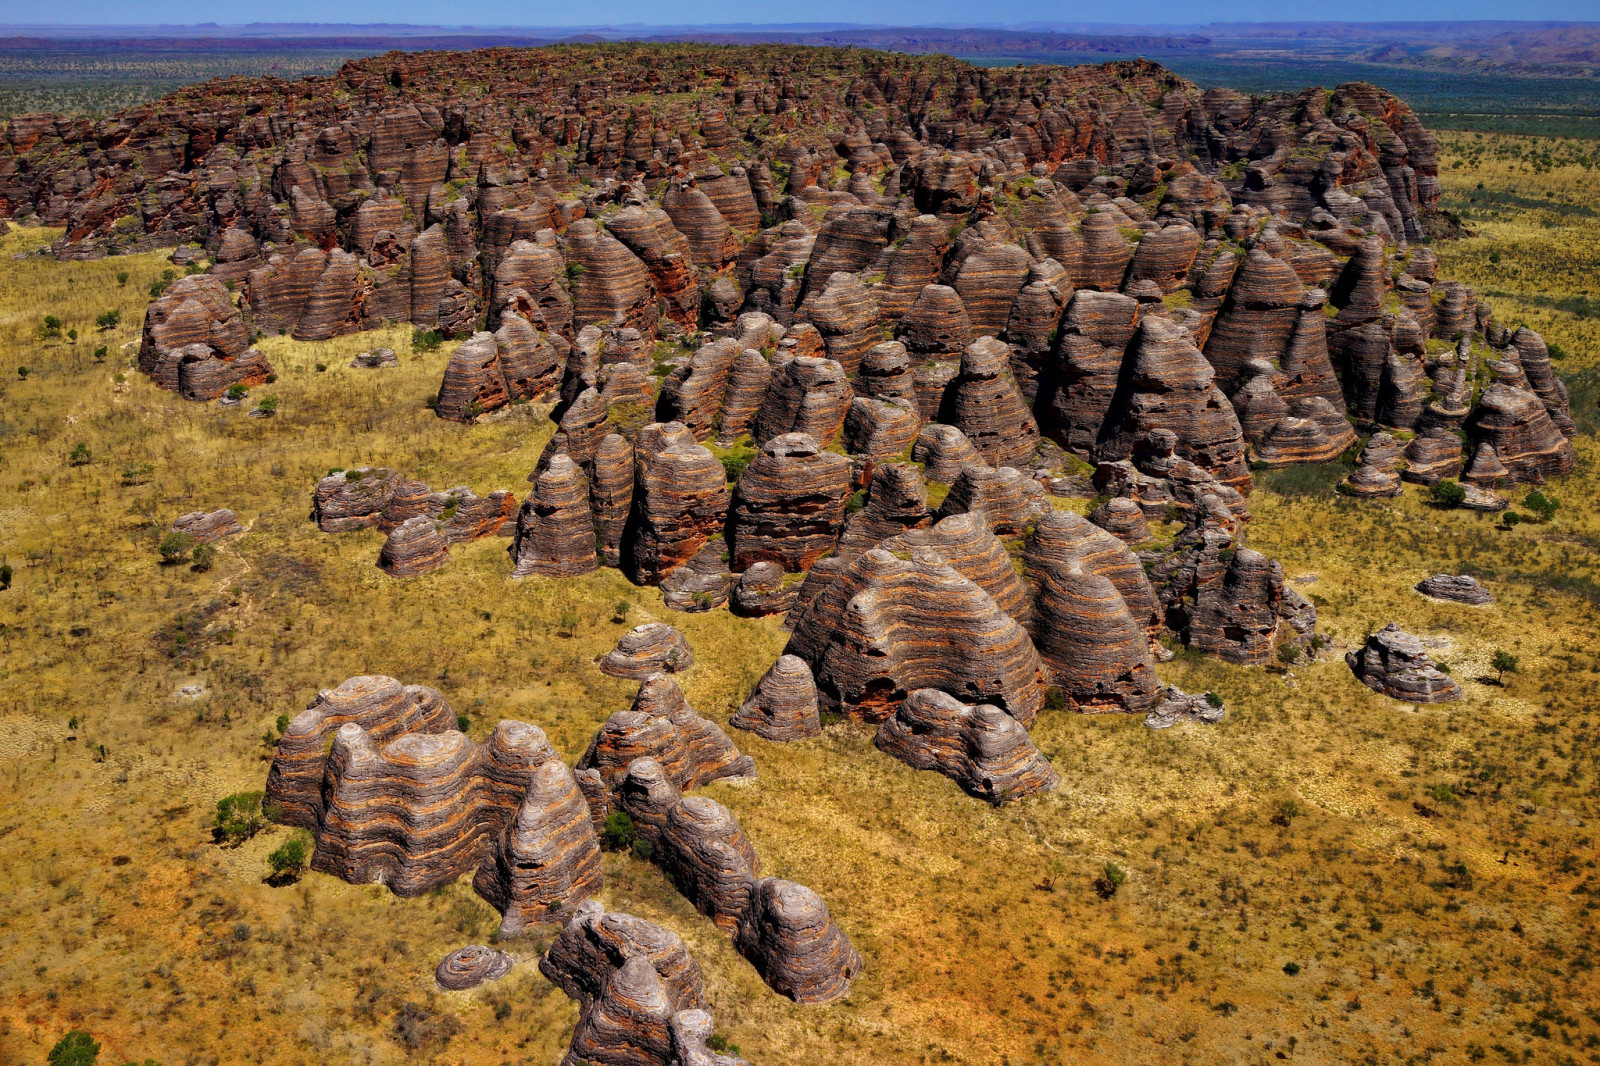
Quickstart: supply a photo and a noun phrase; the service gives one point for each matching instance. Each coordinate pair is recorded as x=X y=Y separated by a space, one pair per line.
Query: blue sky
x=699 y=12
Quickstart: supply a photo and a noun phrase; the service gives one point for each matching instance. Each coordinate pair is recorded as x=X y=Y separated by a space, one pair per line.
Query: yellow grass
x=1447 y=938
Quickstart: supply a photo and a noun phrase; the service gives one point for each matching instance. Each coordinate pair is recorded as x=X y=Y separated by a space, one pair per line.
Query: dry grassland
x=1431 y=897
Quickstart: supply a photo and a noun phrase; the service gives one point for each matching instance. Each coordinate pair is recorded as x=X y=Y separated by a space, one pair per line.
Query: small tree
x=289 y=860
x=80 y=455
x=237 y=391
x=122 y=277
x=50 y=329
x=1543 y=507
x=619 y=613
x=5 y=575
x=100 y=354
x=268 y=405
x=204 y=556
x=569 y=623
x=1448 y=493
x=108 y=320
x=619 y=832
x=175 y=547
x=77 y=1048
x=239 y=817
x=1502 y=664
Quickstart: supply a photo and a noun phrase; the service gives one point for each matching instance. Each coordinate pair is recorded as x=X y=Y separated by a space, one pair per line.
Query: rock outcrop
x=467 y=968
x=1457 y=587
x=788 y=507
x=555 y=534
x=680 y=501
x=983 y=749
x=887 y=627
x=203 y=527
x=383 y=707
x=1395 y=663
x=661 y=725
x=414 y=547
x=784 y=705
x=547 y=858
x=651 y=648
x=418 y=812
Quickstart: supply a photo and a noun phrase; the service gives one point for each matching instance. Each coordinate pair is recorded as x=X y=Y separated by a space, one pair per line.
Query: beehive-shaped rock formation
x=1095 y=332
x=1006 y=498
x=381 y=706
x=1171 y=386
x=418 y=812
x=983 y=749
x=794 y=943
x=886 y=627
x=415 y=547
x=807 y=395
x=983 y=402
x=762 y=590
x=651 y=648
x=789 y=504
x=784 y=704
x=1093 y=647
x=547 y=859
x=555 y=534
x=680 y=501
x=662 y=726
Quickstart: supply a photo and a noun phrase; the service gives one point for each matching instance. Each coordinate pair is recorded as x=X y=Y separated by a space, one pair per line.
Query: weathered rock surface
x=420 y=811
x=414 y=547
x=547 y=858
x=788 y=507
x=1458 y=587
x=661 y=725
x=680 y=501
x=983 y=749
x=807 y=395
x=784 y=704
x=1177 y=706
x=381 y=706
x=983 y=402
x=1395 y=663
x=471 y=966
x=651 y=648
x=203 y=527
x=1006 y=498
x=944 y=452
x=762 y=590
x=1171 y=386
x=887 y=627
x=794 y=943
x=555 y=534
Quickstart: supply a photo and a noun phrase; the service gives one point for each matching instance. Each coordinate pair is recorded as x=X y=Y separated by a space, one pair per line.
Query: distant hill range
x=1545 y=48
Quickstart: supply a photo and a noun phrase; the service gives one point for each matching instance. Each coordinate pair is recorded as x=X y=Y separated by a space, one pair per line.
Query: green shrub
x=80 y=455
x=268 y=405
x=463 y=723
x=1214 y=700
x=237 y=391
x=734 y=465
x=619 y=833
x=108 y=319
x=1448 y=493
x=100 y=354
x=1291 y=968
x=426 y=340
x=239 y=817
x=619 y=613
x=642 y=849
x=23 y=372
x=1543 y=507
x=77 y=1048
x=50 y=328
x=1289 y=654
x=175 y=547
x=290 y=858
x=1113 y=878
x=203 y=557
x=5 y=575
x=569 y=623
x=122 y=277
